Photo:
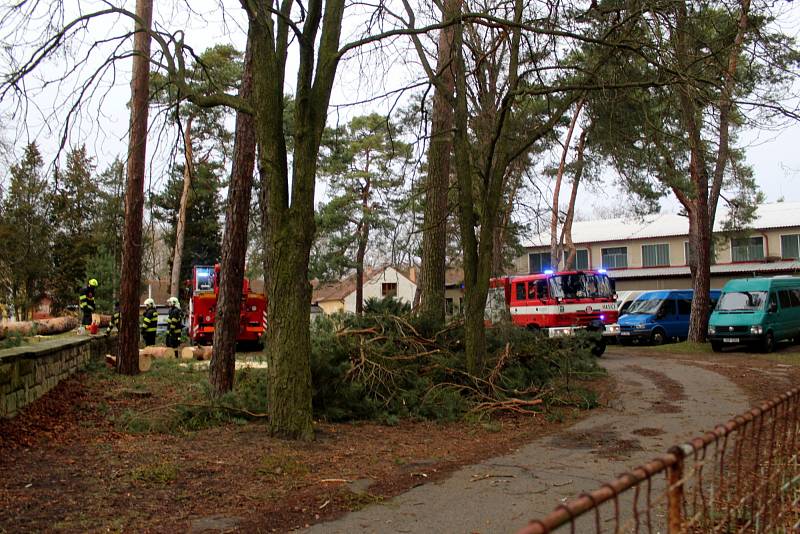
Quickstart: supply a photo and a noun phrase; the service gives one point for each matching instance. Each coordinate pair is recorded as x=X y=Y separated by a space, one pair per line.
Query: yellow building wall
x=331 y=306
x=772 y=247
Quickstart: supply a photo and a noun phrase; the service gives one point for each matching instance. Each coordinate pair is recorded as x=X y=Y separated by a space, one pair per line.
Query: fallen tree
x=40 y=327
x=385 y=367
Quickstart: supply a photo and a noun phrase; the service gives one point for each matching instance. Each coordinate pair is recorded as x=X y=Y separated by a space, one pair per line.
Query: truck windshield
x=580 y=285
x=645 y=306
x=742 y=301
x=204 y=279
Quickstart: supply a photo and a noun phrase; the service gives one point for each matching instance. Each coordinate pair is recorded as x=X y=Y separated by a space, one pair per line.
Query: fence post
x=675 y=492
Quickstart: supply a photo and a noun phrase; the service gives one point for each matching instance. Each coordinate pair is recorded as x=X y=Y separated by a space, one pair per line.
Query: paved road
x=661 y=402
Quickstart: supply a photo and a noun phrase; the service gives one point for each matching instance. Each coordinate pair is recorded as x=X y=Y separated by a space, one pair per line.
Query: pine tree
x=363 y=169
x=74 y=209
x=25 y=228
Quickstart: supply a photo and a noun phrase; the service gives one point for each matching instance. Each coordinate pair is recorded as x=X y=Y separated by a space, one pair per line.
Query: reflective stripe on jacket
x=149 y=320
x=174 y=323
x=86 y=299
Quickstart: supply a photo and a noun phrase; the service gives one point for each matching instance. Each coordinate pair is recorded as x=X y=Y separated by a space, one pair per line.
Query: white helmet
x=149 y=303
x=173 y=301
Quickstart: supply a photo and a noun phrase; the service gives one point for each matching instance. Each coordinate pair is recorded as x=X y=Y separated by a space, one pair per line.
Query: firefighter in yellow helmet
x=149 y=322
x=174 y=324
x=86 y=304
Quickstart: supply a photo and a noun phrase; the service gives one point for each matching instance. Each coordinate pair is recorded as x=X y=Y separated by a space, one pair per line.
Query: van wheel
x=658 y=337
x=716 y=346
x=533 y=329
x=768 y=345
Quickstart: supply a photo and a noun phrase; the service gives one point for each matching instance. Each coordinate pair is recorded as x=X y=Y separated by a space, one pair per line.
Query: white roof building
x=651 y=252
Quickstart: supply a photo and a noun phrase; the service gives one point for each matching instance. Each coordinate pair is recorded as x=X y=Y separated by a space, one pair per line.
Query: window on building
x=389 y=289
x=687 y=253
x=655 y=255
x=448 y=306
x=747 y=248
x=790 y=247
x=538 y=262
x=581 y=262
x=615 y=258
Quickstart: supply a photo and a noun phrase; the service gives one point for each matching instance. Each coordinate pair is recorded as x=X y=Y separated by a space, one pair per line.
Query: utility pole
x=130 y=280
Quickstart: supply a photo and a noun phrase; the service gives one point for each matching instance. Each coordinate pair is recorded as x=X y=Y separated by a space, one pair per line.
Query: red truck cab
x=203 y=306
x=555 y=303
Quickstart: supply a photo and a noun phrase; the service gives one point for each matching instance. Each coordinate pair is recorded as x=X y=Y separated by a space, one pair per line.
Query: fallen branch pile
x=385 y=366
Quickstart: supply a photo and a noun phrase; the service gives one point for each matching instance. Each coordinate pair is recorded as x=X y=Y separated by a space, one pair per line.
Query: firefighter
x=86 y=304
x=114 y=322
x=149 y=322
x=174 y=324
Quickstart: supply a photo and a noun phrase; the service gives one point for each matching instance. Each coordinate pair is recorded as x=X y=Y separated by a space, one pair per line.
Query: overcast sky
x=774 y=155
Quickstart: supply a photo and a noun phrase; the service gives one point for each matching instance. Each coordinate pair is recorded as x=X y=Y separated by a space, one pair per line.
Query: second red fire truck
x=555 y=303
x=203 y=307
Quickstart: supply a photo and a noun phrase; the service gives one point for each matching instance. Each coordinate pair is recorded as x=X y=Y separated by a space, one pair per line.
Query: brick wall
x=30 y=371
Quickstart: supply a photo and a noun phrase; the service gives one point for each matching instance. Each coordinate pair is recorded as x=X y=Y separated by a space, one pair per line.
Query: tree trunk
x=234 y=243
x=130 y=279
x=696 y=202
x=566 y=231
x=515 y=172
x=180 y=228
x=288 y=336
x=42 y=327
x=700 y=247
x=434 y=228
x=555 y=253
x=363 y=239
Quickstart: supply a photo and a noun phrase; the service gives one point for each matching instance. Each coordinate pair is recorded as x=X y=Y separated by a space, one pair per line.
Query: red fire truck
x=203 y=307
x=557 y=304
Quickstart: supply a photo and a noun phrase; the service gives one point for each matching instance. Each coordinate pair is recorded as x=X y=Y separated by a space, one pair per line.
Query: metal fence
x=744 y=476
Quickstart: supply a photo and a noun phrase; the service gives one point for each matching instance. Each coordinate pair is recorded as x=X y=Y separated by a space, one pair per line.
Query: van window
x=520 y=290
x=786 y=300
x=795 y=296
x=773 y=300
x=684 y=307
x=645 y=306
x=742 y=301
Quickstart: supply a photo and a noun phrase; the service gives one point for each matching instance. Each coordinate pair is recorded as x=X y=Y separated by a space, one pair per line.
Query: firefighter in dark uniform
x=114 y=322
x=86 y=304
x=174 y=324
x=149 y=322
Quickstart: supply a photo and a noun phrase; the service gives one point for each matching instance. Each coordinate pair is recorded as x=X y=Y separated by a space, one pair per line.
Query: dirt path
x=661 y=402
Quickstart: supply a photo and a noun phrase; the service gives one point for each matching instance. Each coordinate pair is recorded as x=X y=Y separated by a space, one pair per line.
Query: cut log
x=145 y=362
x=42 y=327
x=101 y=320
x=198 y=353
x=158 y=352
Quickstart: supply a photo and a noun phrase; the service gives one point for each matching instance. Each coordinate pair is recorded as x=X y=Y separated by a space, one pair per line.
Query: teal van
x=757 y=312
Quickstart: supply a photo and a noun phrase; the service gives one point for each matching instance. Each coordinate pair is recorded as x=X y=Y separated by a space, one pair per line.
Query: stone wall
x=30 y=371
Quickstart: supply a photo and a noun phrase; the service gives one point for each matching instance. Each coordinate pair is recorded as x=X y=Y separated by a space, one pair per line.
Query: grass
x=277 y=466
x=683 y=347
x=787 y=358
x=161 y=473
